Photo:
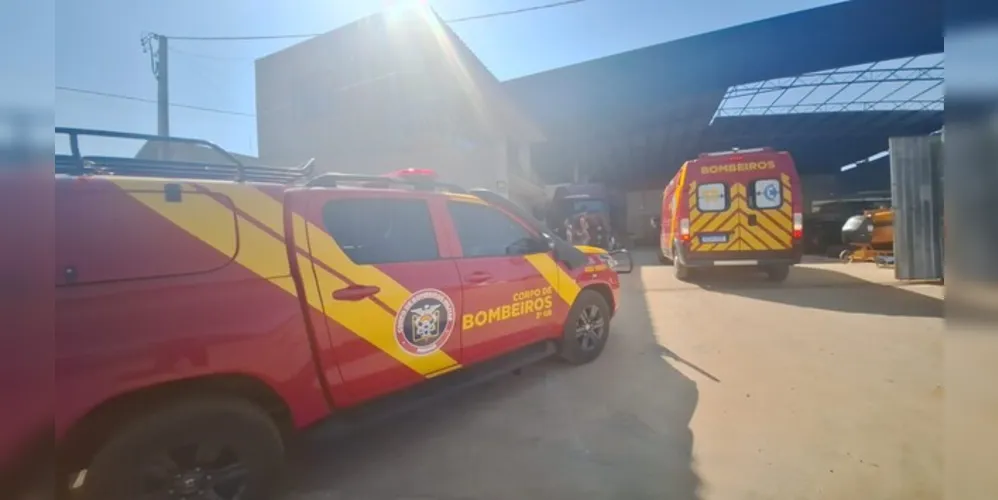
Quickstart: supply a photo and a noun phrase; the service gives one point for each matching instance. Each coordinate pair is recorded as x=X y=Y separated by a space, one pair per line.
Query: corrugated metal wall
x=917 y=196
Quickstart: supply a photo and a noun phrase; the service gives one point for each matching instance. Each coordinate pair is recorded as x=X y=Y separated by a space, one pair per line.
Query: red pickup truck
x=204 y=312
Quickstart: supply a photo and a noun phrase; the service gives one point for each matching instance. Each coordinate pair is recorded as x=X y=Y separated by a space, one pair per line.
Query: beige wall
x=381 y=95
x=369 y=98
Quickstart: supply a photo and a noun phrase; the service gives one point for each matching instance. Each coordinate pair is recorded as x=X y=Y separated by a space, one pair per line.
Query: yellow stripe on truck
x=365 y=318
x=324 y=249
x=371 y=322
x=200 y=216
x=252 y=201
x=212 y=222
x=312 y=239
x=590 y=250
x=560 y=281
x=266 y=256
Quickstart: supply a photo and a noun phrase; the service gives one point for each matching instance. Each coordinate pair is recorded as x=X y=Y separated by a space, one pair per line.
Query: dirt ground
x=828 y=386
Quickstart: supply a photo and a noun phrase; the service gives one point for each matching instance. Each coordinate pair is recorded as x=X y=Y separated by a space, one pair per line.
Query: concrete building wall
x=383 y=94
x=360 y=90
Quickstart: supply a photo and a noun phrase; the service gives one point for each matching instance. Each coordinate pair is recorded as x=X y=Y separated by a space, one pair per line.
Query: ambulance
x=733 y=208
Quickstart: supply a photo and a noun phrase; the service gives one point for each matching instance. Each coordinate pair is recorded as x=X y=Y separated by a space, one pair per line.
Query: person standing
x=577 y=229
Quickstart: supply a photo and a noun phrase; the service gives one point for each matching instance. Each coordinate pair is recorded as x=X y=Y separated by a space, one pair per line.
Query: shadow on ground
x=616 y=428
x=827 y=289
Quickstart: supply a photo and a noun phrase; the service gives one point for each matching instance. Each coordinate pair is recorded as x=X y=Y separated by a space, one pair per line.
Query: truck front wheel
x=218 y=448
x=586 y=330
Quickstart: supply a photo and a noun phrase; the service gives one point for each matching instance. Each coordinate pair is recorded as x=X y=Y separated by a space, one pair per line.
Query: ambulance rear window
x=712 y=197
x=766 y=194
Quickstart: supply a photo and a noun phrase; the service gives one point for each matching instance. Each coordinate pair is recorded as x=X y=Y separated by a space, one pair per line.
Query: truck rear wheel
x=586 y=330
x=662 y=259
x=218 y=448
x=777 y=274
x=681 y=271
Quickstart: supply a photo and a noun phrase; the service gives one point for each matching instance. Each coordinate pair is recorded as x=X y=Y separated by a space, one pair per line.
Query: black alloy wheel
x=209 y=447
x=586 y=330
x=197 y=471
x=590 y=328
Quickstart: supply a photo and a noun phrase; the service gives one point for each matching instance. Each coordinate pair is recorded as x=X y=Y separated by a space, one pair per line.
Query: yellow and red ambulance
x=738 y=207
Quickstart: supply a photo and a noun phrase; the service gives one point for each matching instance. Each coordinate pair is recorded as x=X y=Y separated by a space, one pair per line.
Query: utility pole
x=162 y=73
x=160 y=60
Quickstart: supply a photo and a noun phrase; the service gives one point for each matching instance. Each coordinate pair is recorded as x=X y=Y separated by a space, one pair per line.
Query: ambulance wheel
x=681 y=271
x=777 y=274
x=217 y=447
x=586 y=330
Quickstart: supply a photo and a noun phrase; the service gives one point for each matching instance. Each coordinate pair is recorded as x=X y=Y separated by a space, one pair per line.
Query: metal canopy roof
x=638 y=115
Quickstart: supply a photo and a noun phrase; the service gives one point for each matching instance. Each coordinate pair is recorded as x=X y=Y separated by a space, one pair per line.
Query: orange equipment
x=870 y=236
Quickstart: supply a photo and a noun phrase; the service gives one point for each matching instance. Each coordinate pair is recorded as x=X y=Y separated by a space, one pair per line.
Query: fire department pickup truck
x=205 y=311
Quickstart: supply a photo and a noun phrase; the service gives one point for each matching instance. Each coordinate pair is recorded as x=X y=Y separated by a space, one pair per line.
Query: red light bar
x=408 y=173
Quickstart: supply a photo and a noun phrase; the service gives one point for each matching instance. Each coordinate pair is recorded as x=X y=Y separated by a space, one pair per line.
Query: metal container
x=917 y=198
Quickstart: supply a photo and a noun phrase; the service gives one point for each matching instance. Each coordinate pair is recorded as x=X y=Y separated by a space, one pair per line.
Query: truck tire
x=777 y=274
x=226 y=445
x=662 y=259
x=586 y=330
x=681 y=271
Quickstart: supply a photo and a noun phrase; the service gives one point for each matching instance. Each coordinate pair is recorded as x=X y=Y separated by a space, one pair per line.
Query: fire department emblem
x=424 y=322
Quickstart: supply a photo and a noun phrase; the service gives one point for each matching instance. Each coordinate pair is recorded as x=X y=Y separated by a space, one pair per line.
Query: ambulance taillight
x=798 y=225
x=684 y=229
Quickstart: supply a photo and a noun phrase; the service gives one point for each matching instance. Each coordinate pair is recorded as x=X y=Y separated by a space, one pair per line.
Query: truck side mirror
x=622 y=262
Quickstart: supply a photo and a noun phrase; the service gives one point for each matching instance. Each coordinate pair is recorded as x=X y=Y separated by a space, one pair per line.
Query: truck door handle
x=479 y=277
x=356 y=292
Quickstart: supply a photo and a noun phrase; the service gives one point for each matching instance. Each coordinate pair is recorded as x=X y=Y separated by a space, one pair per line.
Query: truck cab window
x=380 y=231
x=487 y=232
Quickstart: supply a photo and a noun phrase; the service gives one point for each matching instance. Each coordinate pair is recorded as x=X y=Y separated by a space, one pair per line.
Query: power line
x=448 y=21
x=210 y=56
x=237 y=38
x=510 y=12
x=153 y=101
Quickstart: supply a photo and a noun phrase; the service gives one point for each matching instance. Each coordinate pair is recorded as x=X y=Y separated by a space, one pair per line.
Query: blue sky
x=97 y=48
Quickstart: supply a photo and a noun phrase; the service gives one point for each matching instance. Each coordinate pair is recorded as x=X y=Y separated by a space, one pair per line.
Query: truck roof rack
x=228 y=167
x=334 y=179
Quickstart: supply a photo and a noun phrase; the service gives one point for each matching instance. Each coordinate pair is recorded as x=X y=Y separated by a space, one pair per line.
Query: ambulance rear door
x=769 y=213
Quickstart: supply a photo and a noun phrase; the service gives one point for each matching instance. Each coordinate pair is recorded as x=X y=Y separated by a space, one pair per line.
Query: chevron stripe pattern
x=772 y=231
